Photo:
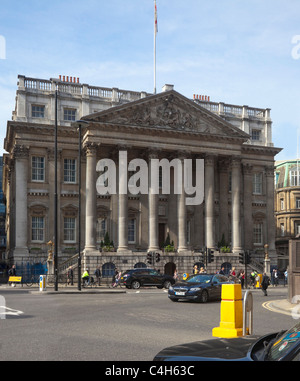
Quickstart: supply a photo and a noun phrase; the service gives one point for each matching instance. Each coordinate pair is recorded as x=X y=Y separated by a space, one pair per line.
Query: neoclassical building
x=233 y=143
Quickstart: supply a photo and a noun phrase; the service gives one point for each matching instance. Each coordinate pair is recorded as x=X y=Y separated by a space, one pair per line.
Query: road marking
x=267 y=305
x=4 y=311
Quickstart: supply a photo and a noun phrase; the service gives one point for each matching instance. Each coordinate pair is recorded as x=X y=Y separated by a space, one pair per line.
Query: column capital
x=20 y=152
x=247 y=169
x=209 y=159
x=269 y=170
x=90 y=148
x=235 y=162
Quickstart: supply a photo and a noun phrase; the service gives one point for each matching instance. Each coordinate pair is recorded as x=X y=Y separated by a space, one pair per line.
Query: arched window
x=140 y=265
x=108 y=270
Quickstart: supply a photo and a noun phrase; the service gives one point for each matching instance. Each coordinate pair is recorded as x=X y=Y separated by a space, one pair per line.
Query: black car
x=136 y=278
x=282 y=346
x=199 y=288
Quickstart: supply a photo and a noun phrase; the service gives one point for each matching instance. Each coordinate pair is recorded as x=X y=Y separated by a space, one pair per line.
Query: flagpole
x=155 y=31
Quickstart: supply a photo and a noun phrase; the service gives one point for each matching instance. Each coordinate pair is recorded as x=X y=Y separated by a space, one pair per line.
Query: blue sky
x=235 y=51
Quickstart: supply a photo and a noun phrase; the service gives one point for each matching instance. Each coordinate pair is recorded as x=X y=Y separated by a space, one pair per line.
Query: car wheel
x=135 y=285
x=167 y=284
x=204 y=296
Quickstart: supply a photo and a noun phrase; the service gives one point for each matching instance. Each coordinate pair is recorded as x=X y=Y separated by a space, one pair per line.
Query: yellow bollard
x=258 y=280
x=231 y=324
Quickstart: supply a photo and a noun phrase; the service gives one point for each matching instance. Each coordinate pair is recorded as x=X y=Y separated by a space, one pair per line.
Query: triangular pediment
x=171 y=111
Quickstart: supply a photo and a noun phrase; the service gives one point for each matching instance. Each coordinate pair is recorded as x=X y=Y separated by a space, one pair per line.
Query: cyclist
x=86 y=277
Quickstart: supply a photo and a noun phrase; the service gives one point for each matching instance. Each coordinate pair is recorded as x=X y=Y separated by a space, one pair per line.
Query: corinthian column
x=269 y=171
x=153 y=209
x=236 y=205
x=182 y=245
x=123 y=203
x=21 y=219
x=90 y=207
x=209 y=200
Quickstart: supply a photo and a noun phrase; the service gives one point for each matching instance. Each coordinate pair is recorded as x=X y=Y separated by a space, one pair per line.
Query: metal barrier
x=248 y=312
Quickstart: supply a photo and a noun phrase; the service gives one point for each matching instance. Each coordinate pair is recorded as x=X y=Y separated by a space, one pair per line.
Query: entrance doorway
x=161 y=234
x=170 y=267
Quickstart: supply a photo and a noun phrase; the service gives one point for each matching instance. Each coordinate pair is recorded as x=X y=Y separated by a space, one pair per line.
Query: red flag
x=155 y=18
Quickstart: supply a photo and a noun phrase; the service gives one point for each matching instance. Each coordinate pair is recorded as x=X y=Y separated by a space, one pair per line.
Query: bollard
x=42 y=282
x=231 y=324
x=258 y=280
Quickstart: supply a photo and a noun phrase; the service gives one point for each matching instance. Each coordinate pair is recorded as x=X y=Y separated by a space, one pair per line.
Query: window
x=257 y=233
x=37 y=229
x=297 y=228
x=108 y=270
x=70 y=171
x=38 y=111
x=131 y=230
x=188 y=232
x=256 y=135
x=281 y=204
x=38 y=168
x=101 y=229
x=282 y=230
x=69 y=114
x=294 y=178
x=69 y=229
x=257 y=183
x=297 y=203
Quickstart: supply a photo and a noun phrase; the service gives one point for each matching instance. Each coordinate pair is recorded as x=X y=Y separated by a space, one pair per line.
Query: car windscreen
x=199 y=278
x=284 y=343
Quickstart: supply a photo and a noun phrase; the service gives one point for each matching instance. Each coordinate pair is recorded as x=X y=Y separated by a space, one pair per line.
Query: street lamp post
x=79 y=123
x=55 y=199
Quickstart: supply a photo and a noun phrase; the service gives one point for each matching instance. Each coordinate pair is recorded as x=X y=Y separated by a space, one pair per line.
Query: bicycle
x=62 y=278
x=90 y=283
x=32 y=280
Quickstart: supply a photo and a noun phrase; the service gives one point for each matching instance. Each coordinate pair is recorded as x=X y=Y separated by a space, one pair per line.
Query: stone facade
x=234 y=142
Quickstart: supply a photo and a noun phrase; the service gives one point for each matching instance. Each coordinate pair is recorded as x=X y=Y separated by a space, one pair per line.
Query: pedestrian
x=232 y=272
x=252 y=278
x=175 y=276
x=113 y=282
x=202 y=270
x=195 y=271
x=98 y=275
x=70 y=276
x=276 y=278
x=11 y=272
x=222 y=271
x=285 y=277
x=242 y=278
x=265 y=283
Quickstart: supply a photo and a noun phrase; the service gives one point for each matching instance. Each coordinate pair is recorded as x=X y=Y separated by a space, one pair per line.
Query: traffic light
x=248 y=257
x=210 y=255
x=242 y=258
x=149 y=257
x=157 y=257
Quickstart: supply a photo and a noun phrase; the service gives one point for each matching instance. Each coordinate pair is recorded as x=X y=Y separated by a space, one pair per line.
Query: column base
x=124 y=251
x=20 y=252
x=184 y=251
x=90 y=250
x=237 y=250
x=154 y=248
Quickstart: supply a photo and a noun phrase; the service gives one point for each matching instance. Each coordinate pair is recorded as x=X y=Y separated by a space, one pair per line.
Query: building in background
x=235 y=143
x=287 y=207
x=2 y=215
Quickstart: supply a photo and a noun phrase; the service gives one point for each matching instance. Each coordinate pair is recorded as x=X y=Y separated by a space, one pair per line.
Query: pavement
x=68 y=289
